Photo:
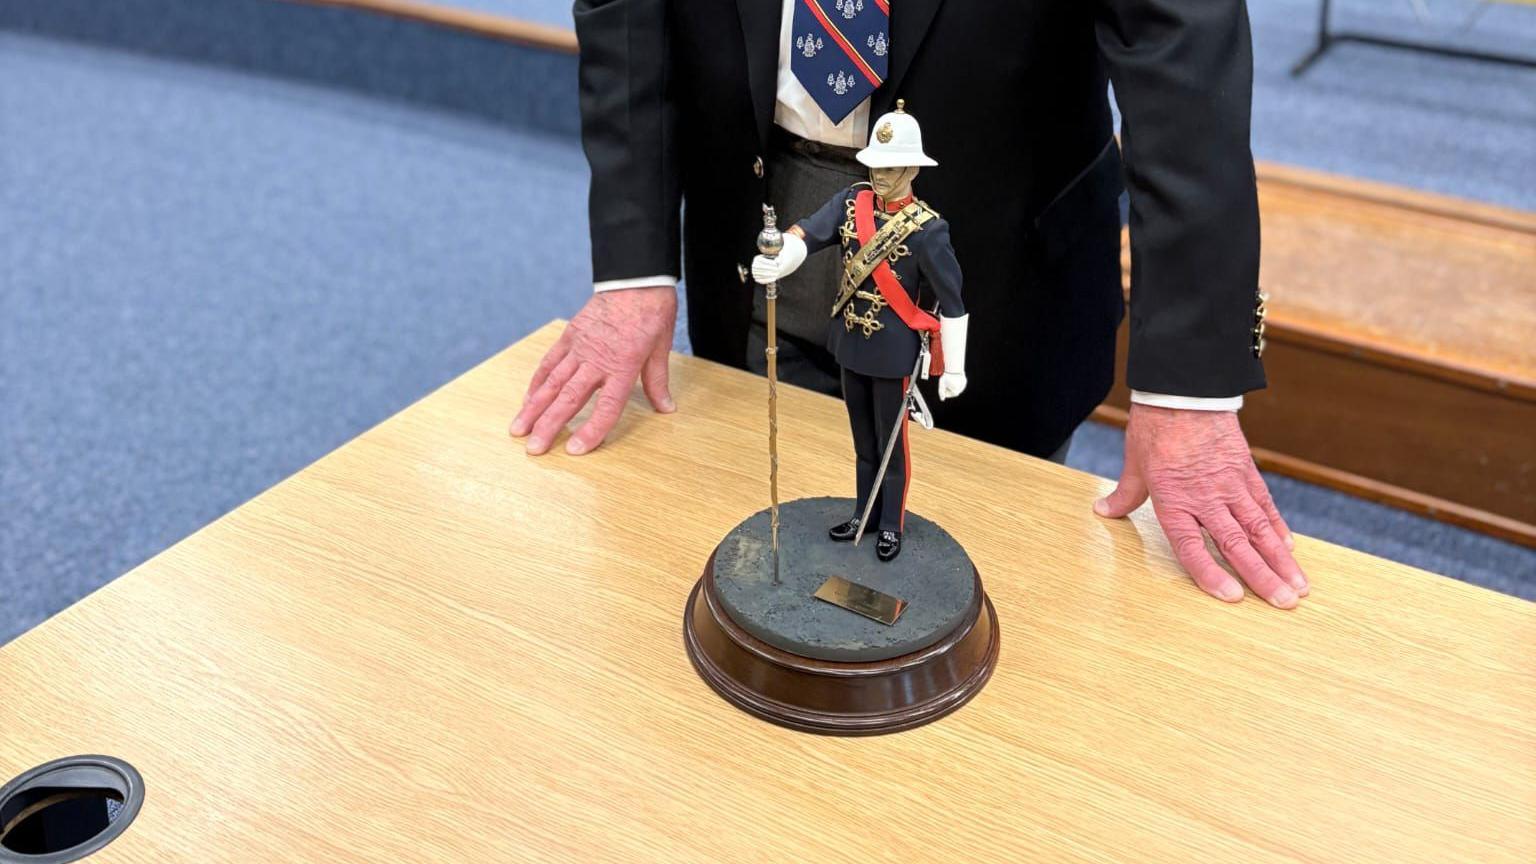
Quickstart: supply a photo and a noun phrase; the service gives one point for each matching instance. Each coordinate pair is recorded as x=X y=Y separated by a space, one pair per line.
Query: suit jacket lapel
x=909 y=25
x=760 y=21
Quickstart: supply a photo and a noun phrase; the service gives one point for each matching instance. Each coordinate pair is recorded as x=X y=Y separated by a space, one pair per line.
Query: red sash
x=891 y=289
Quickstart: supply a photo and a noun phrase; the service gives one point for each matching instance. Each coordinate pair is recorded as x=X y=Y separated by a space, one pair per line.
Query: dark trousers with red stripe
x=874 y=404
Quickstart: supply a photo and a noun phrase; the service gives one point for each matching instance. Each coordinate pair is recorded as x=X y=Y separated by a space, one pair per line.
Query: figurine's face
x=892 y=182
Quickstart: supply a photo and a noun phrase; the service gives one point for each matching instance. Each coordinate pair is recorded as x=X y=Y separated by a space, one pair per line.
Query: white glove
x=952 y=336
x=765 y=269
x=951 y=384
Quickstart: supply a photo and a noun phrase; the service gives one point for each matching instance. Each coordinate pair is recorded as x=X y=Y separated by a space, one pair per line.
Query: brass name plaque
x=861 y=599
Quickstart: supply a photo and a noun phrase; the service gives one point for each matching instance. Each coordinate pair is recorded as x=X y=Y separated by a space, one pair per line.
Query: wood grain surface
x=428 y=646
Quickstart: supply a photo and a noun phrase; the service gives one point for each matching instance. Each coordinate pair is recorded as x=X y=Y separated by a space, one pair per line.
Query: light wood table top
x=428 y=646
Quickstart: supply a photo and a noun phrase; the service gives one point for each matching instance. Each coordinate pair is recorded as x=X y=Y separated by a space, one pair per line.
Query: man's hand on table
x=1199 y=472
x=616 y=337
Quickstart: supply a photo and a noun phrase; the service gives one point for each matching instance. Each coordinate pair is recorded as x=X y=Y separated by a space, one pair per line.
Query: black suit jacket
x=677 y=101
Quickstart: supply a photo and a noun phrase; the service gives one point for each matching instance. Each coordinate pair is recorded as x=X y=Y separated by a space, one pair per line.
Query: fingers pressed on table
x=551 y=359
x=1129 y=494
x=654 y=379
x=539 y=399
x=566 y=403
x=1189 y=547
x=1235 y=546
x=610 y=405
x=1261 y=533
x=1260 y=492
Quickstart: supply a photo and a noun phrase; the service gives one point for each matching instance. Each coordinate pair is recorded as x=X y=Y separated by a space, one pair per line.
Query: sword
x=770 y=242
x=890 y=443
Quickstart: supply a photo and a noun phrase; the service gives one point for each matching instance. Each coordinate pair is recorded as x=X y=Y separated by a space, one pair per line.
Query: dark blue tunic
x=867 y=336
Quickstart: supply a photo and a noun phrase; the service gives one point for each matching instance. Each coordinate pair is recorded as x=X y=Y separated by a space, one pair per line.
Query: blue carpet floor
x=210 y=277
x=1451 y=126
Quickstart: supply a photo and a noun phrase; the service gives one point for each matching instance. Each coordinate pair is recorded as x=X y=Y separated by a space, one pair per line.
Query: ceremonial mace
x=770 y=242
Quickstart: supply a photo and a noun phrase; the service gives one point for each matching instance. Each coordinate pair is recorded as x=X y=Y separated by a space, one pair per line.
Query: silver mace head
x=770 y=241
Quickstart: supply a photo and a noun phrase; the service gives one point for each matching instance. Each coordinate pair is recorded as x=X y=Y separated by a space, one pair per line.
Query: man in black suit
x=717 y=106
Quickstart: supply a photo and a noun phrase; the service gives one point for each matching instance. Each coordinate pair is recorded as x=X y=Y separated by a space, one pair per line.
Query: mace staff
x=770 y=241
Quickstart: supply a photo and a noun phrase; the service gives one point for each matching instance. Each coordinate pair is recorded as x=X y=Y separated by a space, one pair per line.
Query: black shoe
x=888 y=546
x=845 y=532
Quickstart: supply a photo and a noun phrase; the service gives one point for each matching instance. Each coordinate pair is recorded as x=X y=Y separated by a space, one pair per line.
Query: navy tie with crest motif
x=841 y=48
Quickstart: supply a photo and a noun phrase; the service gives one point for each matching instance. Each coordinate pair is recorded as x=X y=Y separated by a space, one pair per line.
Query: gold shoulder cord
x=848 y=232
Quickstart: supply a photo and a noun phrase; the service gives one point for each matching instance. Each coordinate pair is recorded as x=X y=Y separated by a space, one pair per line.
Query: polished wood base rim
x=839 y=698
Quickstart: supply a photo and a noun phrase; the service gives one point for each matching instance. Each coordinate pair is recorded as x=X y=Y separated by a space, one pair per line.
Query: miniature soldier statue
x=896 y=257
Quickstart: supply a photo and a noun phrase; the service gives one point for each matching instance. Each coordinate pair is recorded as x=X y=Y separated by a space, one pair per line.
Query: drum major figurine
x=896 y=256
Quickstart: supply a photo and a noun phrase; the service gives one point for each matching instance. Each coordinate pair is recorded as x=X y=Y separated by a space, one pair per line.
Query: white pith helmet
x=896 y=142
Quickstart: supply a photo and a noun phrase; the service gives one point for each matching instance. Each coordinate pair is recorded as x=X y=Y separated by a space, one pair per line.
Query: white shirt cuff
x=641 y=282
x=1188 y=403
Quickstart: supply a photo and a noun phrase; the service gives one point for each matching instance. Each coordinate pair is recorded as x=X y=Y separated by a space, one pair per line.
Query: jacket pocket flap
x=1064 y=219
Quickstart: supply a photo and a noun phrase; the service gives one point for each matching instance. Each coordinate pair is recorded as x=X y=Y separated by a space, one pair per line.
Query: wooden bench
x=1402 y=349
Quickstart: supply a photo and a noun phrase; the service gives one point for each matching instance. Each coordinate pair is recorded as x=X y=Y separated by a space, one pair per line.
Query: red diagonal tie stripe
x=884 y=7
x=842 y=41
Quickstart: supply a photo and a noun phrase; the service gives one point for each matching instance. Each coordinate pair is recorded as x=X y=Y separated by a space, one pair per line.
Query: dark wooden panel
x=1458 y=453
x=1400 y=362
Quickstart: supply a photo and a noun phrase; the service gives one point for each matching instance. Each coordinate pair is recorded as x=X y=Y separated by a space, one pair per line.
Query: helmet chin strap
x=903 y=185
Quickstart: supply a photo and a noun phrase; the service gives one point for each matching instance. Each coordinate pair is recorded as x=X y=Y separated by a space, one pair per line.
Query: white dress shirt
x=797 y=113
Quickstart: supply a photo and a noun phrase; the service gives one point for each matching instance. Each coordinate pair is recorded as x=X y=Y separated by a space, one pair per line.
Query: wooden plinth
x=833 y=698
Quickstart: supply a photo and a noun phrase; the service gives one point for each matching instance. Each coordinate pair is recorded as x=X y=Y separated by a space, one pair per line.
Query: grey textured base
x=933 y=574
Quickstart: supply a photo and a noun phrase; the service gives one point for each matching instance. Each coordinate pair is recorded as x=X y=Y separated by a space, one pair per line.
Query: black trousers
x=874 y=406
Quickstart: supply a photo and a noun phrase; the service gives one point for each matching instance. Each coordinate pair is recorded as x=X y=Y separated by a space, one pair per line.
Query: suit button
x=757 y=167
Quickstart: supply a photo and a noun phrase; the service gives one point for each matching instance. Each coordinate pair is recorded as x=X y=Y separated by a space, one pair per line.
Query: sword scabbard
x=890 y=447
